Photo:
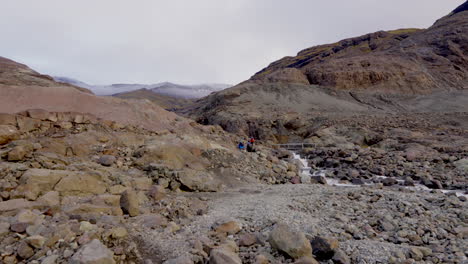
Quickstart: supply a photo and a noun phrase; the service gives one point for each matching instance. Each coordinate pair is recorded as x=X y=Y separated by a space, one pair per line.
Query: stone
x=157 y=192
x=179 y=260
x=42 y=115
x=27 y=216
x=86 y=226
x=318 y=180
x=324 y=248
x=117 y=189
x=199 y=181
x=295 y=180
x=416 y=254
x=24 y=251
x=52 y=259
x=19 y=227
x=340 y=257
x=16 y=204
x=50 y=199
x=27 y=124
x=119 y=232
x=230 y=228
x=461 y=165
x=129 y=203
x=77 y=184
x=107 y=160
x=8 y=133
x=10 y=259
x=306 y=260
x=7 y=119
x=18 y=153
x=261 y=259
x=152 y=221
x=223 y=256
x=247 y=240
x=389 y=181
x=142 y=183
x=173 y=227
x=293 y=243
x=4 y=228
x=43 y=180
x=93 y=253
x=36 y=241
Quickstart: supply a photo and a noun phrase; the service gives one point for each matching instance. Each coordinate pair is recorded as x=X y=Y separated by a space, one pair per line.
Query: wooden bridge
x=295 y=146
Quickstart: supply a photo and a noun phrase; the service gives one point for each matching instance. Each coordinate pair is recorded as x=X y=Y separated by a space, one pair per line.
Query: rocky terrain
x=88 y=179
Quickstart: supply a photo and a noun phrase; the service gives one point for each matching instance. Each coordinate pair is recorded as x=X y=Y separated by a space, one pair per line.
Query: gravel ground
x=338 y=212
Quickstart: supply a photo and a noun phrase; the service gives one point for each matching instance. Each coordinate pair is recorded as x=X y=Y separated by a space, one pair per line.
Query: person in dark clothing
x=249 y=147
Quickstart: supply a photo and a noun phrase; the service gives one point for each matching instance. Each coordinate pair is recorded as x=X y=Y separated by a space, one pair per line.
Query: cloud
x=149 y=41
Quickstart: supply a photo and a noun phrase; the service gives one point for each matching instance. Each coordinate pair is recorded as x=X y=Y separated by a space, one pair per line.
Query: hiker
x=241 y=145
x=249 y=147
x=252 y=140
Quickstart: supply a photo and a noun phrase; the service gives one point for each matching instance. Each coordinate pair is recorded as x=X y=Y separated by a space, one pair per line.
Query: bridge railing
x=295 y=146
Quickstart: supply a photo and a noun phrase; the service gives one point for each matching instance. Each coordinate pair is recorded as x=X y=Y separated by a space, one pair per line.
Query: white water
x=305 y=170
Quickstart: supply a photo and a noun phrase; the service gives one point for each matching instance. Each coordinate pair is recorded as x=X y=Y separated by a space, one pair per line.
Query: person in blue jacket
x=241 y=146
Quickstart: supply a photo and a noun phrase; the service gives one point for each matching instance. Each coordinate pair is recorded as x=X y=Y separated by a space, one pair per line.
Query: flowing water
x=306 y=171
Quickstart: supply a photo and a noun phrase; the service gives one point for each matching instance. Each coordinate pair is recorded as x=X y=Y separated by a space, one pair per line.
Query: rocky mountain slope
x=406 y=70
x=408 y=61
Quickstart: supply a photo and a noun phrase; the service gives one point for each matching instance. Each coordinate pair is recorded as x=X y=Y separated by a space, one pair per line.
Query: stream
x=306 y=171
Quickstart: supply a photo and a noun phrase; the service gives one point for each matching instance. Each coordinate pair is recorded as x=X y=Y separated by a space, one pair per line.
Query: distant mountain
x=167 y=102
x=165 y=88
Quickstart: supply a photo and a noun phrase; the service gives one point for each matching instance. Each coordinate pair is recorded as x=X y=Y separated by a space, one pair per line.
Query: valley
x=153 y=173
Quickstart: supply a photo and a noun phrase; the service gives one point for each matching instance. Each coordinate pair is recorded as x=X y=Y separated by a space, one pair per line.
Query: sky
x=189 y=42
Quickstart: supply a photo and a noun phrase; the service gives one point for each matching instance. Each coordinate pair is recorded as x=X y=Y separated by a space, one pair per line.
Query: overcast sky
x=191 y=41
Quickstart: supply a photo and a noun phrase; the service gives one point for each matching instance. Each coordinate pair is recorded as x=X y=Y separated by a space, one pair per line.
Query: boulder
x=199 y=181
x=223 y=256
x=389 y=181
x=4 y=228
x=129 y=203
x=230 y=228
x=18 y=153
x=293 y=243
x=340 y=257
x=247 y=240
x=93 y=253
x=24 y=251
x=36 y=241
x=50 y=199
x=7 y=119
x=324 y=248
x=27 y=124
x=8 y=133
x=80 y=184
x=42 y=115
x=461 y=165
x=157 y=192
x=107 y=160
x=16 y=204
x=318 y=180
x=41 y=181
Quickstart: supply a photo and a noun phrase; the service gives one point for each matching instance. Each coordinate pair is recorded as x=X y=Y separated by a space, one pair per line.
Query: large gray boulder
x=93 y=253
x=293 y=243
